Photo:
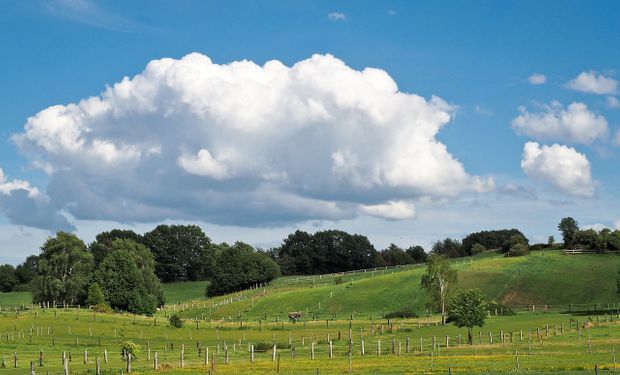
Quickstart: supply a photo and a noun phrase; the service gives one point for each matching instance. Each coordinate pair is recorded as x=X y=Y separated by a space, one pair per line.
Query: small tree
x=175 y=321
x=478 y=249
x=569 y=227
x=551 y=241
x=438 y=280
x=468 y=308
x=95 y=295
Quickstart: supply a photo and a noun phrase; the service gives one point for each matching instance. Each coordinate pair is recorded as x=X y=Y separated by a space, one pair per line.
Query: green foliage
x=490 y=239
x=438 y=280
x=129 y=347
x=468 y=308
x=175 y=321
x=324 y=252
x=478 y=249
x=449 y=248
x=182 y=252
x=551 y=241
x=238 y=267
x=95 y=295
x=26 y=271
x=569 y=227
x=400 y=314
x=8 y=279
x=417 y=253
x=517 y=250
x=514 y=240
x=394 y=255
x=64 y=267
x=128 y=280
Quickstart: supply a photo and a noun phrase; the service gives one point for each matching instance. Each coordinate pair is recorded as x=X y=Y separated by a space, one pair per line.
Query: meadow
x=564 y=319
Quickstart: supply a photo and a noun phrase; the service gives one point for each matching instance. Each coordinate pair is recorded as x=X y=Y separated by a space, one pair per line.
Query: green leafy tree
x=551 y=241
x=128 y=279
x=238 y=267
x=517 y=250
x=8 y=280
x=394 y=255
x=468 y=308
x=103 y=242
x=438 y=280
x=478 y=249
x=26 y=271
x=182 y=252
x=64 y=267
x=175 y=321
x=95 y=295
x=449 y=247
x=417 y=253
x=569 y=227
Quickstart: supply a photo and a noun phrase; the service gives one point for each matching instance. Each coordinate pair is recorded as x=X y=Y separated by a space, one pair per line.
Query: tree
x=517 y=250
x=95 y=295
x=551 y=241
x=394 y=255
x=8 y=280
x=238 y=267
x=468 y=308
x=64 y=267
x=127 y=278
x=182 y=252
x=449 y=247
x=103 y=242
x=512 y=241
x=478 y=249
x=417 y=253
x=26 y=271
x=438 y=280
x=490 y=239
x=569 y=227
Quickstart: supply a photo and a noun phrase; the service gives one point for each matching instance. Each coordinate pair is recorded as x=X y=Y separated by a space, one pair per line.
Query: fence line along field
x=528 y=342
x=540 y=320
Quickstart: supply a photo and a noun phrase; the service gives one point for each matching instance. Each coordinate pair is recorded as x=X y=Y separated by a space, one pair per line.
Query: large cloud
x=562 y=167
x=246 y=144
x=573 y=124
x=25 y=204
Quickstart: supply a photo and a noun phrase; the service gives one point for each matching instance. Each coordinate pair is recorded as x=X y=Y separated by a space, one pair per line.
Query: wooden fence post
x=155 y=364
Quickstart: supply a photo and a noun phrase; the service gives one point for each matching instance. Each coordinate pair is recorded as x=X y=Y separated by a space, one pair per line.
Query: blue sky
x=477 y=56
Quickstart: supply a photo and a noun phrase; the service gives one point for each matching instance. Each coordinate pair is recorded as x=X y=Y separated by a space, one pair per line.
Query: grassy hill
x=539 y=278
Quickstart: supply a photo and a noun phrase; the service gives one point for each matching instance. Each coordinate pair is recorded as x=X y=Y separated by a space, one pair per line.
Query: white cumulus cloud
x=23 y=203
x=593 y=83
x=392 y=210
x=573 y=124
x=612 y=102
x=537 y=79
x=560 y=166
x=246 y=144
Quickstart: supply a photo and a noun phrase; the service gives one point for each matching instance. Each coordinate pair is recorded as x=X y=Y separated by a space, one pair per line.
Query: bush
x=266 y=346
x=130 y=347
x=400 y=314
x=102 y=308
x=175 y=321
x=517 y=250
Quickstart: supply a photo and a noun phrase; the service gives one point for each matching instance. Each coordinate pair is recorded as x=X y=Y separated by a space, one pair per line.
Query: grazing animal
x=294 y=316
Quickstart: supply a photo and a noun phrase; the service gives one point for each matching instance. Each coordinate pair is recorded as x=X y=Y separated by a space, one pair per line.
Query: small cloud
x=593 y=83
x=616 y=140
x=391 y=12
x=519 y=191
x=612 y=102
x=337 y=16
x=392 y=210
x=537 y=79
x=483 y=110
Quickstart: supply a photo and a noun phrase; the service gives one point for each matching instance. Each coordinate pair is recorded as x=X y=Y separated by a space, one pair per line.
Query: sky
x=405 y=121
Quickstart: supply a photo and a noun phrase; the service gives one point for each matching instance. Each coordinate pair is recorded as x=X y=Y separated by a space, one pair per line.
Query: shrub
x=266 y=346
x=130 y=347
x=175 y=321
x=102 y=308
x=517 y=250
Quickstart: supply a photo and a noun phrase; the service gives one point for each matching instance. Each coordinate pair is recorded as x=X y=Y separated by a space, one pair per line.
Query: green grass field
x=544 y=341
x=540 y=278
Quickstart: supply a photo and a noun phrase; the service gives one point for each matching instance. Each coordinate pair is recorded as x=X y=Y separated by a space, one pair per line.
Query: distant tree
x=590 y=239
x=490 y=239
x=64 y=267
x=8 y=280
x=468 y=308
x=478 y=249
x=102 y=246
x=95 y=295
x=238 y=267
x=517 y=250
x=438 y=280
x=182 y=252
x=513 y=240
x=175 y=321
x=449 y=247
x=417 y=253
x=394 y=256
x=26 y=271
x=551 y=241
x=128 y=280
x=569 y=227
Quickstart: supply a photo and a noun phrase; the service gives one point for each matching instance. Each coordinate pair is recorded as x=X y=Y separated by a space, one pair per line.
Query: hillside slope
x=539 y=278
